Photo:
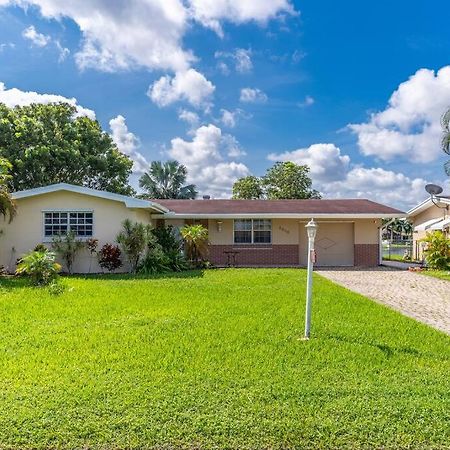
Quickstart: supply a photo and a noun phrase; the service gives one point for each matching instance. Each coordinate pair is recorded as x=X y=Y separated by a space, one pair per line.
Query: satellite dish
x=433 y=189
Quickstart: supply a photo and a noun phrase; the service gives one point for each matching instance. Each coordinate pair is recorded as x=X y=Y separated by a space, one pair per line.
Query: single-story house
x=258 y=232
x=430 y=215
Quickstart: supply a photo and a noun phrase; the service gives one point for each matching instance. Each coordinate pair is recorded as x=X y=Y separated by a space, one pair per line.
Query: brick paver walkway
x=418 y=296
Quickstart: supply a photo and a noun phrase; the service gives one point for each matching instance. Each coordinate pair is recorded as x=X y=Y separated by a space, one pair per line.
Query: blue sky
x=353 y=89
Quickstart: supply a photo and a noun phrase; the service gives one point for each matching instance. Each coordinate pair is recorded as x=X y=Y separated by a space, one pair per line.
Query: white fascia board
x=130 y=202
x=425 y=205
x=277 y=216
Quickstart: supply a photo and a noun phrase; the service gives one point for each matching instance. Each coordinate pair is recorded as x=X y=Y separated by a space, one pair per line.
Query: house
x=256 y=232
x=430 y=215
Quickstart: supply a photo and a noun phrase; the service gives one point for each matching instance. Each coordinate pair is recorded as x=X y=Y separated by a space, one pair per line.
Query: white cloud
x=250 y=95
x=190 y=86
x=123 y=34
x=410 y=125
x=211 y=12
x=335 y=176
x=208 y=166
x=325 y=161
x=228 y=118
x=128 y=144
x=241 y=58
x=378 y=184
x=189 y=117
x=38 y=39
x=15 y=97
x=64 y=52
x=308 y=101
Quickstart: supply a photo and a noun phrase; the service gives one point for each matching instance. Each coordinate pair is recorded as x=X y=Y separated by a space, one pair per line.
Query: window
x=252 y=231
x=61 y=222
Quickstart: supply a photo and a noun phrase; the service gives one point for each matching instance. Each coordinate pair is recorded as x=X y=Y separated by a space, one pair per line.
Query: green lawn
x=213 y=360
x=442 y=274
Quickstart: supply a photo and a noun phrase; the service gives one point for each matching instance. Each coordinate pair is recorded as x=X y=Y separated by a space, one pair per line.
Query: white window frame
x=252 y=233
x=68 y=211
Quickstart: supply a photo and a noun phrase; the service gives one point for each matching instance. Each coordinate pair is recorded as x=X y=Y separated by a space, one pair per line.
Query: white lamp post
x=311 y=229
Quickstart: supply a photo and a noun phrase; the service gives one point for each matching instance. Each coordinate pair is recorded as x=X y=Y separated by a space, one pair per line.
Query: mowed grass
x=442 y=274
x=214 y=360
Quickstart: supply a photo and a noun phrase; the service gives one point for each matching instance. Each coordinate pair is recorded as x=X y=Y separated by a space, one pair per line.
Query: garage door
x=333 y=244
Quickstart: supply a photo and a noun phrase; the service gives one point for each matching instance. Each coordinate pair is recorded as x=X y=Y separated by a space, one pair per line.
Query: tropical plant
x=437 y=250
x=7 y=204
x=133 y=240
x=166 y=181
x=109 y=257
x=67 y=246
x=196 y=240
x=155 y=261
x=167 y=238
x=51 y=143
x=39 y=266
x=91 y=245
x=40 y=248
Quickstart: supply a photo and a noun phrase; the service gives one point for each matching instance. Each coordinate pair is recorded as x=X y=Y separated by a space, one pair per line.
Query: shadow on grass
x=8 y=282
x=387 y=350
x=128 y=276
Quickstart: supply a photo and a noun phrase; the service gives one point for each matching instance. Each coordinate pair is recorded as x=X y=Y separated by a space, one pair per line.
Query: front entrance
x=334 y=244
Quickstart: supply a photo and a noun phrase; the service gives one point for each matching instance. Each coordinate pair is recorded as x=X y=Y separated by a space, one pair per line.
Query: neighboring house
x=260 y=232
x=430 y=215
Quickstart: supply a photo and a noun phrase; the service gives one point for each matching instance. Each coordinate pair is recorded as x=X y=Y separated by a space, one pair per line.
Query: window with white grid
x=252 y=231
x=61 y=222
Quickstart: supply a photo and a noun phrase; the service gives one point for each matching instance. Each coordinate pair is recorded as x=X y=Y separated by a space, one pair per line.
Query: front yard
x=213 y=360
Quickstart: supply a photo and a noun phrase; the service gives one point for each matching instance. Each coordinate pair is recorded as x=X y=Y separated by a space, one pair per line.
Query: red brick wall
x=366 y=255
x=256 y=255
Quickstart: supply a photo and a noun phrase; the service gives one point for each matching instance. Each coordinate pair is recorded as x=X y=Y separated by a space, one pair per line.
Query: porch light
x=311 y=230
x=219 y=225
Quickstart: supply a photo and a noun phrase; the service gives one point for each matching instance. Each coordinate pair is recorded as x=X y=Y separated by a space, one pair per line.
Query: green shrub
x=67 y=246
x=40 y=267
x=134 y=240
x=167 y=239
x=437 y=251
x=155 y=261
x=56 y=288
x=40 y=248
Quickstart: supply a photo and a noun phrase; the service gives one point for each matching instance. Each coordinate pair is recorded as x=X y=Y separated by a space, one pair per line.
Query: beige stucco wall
x=26 y=230
x=433 y=212
x=288 y=231
x=367 y=231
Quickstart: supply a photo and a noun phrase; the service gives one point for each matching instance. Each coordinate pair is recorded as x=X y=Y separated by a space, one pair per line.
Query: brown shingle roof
x=353 y=206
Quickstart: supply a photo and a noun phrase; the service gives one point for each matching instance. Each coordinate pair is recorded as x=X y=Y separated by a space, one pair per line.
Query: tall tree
x=284 y=180
x=287 y=180
x=166 y=180
x=446 y=138
x=49 y=144
x=7 y=204
x=248 y=188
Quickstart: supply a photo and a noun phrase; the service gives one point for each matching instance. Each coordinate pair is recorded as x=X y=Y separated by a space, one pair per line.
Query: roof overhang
x=428 y=224
x=441 y=225
x=171 y=215
x=130 y=202
x=427 y=204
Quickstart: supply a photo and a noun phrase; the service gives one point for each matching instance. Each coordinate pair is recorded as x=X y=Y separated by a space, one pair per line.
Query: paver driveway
x=424 y=298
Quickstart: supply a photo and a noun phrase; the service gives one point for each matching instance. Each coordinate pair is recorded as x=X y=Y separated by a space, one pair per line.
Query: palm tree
x=7 y=204
x=196 y=238
x=166 y=180
x=445 y=122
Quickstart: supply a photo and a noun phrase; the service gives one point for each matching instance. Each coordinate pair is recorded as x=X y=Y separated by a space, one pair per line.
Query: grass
x=441 y=274
x=214 y=360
